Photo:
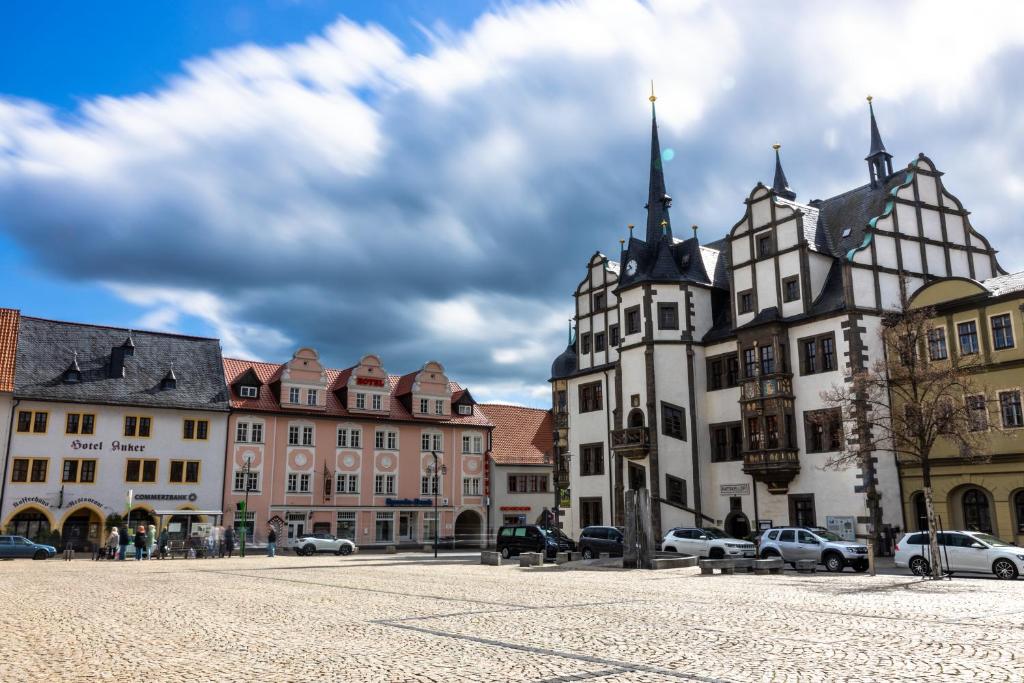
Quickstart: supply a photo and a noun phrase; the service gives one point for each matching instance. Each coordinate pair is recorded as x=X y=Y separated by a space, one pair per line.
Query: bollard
x=871 y=557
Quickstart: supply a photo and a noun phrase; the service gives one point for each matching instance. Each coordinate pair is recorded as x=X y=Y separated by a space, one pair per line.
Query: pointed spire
x=878 y=158
x=658 y=200
x=781 y=185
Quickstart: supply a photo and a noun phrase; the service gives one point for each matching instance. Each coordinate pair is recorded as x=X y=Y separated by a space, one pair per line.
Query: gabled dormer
x=248 y=385
x=463 y=403
x=426 y=392
x=366 y=389
x=303 y=382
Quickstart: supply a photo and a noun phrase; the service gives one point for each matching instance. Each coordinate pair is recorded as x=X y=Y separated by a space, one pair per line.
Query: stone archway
x=82 y=528
x=737 y=524
x=469 y=529
x=31 y=522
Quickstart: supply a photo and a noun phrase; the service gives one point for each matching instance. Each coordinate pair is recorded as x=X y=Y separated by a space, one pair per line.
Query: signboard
x=191 y=497
x=734 y=489
x=844 y=527
x=564 y=499
x=369 y=381
x=410 y=502
x=115 y=445
x=201 y=529
x=764 y=524
x=174 y=528
x=515 y=508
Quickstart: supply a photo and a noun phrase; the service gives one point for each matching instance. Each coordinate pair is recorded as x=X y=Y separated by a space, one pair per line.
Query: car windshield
x=828 y=535
x=992 y=540
x=712 y=532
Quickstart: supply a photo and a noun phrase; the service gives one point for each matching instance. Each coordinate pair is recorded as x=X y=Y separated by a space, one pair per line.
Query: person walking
x=122 y=542
x=112 y=544
x=165 y=538
x=150 y=541
x=271 y=542
x=140 y=542
x=229 y=540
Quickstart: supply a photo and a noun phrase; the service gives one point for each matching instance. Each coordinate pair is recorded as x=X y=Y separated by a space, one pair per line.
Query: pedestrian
x=165 y=538
x=271 y=542
x=69 y=551
x=140 y=542
x=122 y=542
x=229 y=541
x=112 y=544
x=150 y=540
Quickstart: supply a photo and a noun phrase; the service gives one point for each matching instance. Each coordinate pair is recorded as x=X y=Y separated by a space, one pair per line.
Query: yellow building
x=983 y=319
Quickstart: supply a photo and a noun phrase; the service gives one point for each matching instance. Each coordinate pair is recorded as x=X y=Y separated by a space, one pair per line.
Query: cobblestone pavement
x=409 y=618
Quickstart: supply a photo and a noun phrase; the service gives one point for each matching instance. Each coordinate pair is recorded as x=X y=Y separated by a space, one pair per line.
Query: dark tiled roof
x=8 y=347
x=831 y=297
x=852 y=210
x=566 y=363
x=46 y=348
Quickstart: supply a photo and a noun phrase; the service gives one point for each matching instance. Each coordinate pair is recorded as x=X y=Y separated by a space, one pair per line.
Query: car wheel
x=768 y=554
x=39 y=555
x=860 y=566
x=310 y=549
x=1004 y=569
x=345 y=549
x=588 y=554
x=716 y=554
x=834 y=562
x=505 y=553
x=920 y=567
x=669 y=549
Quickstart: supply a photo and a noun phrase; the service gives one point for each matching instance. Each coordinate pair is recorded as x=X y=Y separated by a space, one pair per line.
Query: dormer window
x=465 y=410
x=376 y=402
x=293 y=395
x=170 y=381
x=73 y=374
x=361 y=401
x=248 y=391
x=424 y=405
x=311 y=397
x=438 y=407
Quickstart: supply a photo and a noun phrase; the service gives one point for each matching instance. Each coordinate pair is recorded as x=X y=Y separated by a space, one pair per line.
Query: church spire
x=781 y=186
x=878 y=158
x=658 y=201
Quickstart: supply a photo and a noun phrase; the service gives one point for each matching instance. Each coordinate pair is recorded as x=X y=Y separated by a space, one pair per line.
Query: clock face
x=631 y=267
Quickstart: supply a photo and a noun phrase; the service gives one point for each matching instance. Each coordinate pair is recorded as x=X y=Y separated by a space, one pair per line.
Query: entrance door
x=296 y=530
x=75 y=531
x=407 y=527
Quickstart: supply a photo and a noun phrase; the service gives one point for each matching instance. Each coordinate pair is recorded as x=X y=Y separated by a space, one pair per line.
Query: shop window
x=590 y=512
x=346 y=526
x=1018 y=506
x=384 y=530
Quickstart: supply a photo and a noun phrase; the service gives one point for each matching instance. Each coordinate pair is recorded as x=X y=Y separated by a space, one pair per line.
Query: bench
x=531 y=559
x=491 y=558
x=562 y=558
x=807 y=566
x=772 y=565
x=708 y=567
x=674 y=562
x=743 y=563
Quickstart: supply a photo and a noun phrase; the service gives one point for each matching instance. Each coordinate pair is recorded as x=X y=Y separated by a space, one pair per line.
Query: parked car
x=310 y=544
x=827 y=548
x=706 y=542
x=19 y=546
x=595 y=540
x=961 y=551
x=532 y=538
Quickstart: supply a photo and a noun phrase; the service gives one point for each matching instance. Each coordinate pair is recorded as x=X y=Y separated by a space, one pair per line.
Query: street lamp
x=245 y=504
x=435 y=470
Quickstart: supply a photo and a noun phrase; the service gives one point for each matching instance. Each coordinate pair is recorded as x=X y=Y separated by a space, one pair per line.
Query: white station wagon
x=961 y=551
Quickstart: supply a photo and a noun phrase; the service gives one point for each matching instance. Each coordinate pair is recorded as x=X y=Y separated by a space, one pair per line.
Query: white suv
x=310 y=544
x=961 y=551
x=706 y=542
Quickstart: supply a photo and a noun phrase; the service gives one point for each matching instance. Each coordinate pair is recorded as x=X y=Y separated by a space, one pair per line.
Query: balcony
x=632 y=442
x=775 y=468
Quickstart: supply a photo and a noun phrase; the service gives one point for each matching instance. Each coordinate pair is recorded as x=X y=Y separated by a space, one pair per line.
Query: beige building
x=520 y=466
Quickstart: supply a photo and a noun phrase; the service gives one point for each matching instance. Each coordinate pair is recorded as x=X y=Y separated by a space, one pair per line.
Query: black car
x=595 y=540
x=532 y=538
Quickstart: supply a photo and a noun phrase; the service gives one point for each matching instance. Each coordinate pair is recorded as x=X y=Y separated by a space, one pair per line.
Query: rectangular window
x=24 y=421
x=599 y=302
x=810 y=356
x=673 y=421
x=591 y=397
x=791 y=288
x=184 y=472
x=715 y=374
x=361 y=401
x=585 y=342
x=465 y=410
x=767 y=359
x=307 y=436
x=70 y=473
x=293 y=482
x=378 y=439
x=428 y=485
x=753 y=433
x=736 y=442
x=527 y=483
x=732 y=370
x=248 y=391
x=613 y=335
x=599 y=342
x=245 y=526
x=384 y=531
x=675 y=489
x=39 y=420
x=749 y=363
x=293 y=394
x=72 y=423
x=668 y=316
x=823 y=430
x=355 y=438
x=1009 y=404
x=1002 y=332
x=342 y=437
x=376 y=402
x=424 y=405
x=764 y=245
x=968 y=333
x=439 y=407
x=140 y=471
x=817 y=354
x=346 y=525
x=87 y=472
x=311 y=397
x=242 y=476
x=591 y=459
x=19 y=470
x=384 y=484
x=392 y=440
x=242 y=432
x=304 y=483
x=346 y=483
x=719 y=444
x=257 y=432
x=424 y=441
x=293 y=435
x=590 y=512
x=771 y=431
x=135 y=425
x=937 y=344
x=801 y=510
x=746 y=301
x=977 y=411
x=633 y=320
x=471 y=486
x=80 y=423
x=828 y=354
x=37 y=470
x=196 y=429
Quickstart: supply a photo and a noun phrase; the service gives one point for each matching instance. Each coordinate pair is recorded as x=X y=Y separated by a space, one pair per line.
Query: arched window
x=636 y=418
x=920 y=511
x=1018 y=506
x=977 y=516
x=30 y=523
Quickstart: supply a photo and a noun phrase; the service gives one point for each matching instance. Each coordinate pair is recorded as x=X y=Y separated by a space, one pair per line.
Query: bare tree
x=908 y=402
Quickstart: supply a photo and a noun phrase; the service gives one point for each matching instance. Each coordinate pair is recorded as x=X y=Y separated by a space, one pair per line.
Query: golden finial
x=694 y=230
x=652 y=97
x=630 y=226
x=664 y=222
x=621 y=243
x=870 y=98
x=776 y=146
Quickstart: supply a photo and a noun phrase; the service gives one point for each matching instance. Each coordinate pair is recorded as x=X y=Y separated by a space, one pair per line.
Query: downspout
x=227 y=461
x=7 y=450
x=611 y=457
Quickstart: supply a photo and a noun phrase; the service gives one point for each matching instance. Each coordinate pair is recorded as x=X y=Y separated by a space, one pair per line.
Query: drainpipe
x=7 y=451
x=228 y=458
x=611 y=457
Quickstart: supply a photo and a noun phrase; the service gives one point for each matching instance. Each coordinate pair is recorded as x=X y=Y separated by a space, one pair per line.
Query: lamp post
x=245 y=505
x=435 y=470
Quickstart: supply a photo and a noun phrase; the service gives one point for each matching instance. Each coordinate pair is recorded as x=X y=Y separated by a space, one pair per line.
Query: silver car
x=795 y=543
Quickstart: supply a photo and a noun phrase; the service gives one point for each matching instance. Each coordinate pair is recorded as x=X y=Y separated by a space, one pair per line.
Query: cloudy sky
x=427 y=180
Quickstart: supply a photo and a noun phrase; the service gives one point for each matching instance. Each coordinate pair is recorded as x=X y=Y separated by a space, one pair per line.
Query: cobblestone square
x=410 y=618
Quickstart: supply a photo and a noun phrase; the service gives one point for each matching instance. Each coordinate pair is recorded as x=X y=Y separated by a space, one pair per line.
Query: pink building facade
x=353 y=452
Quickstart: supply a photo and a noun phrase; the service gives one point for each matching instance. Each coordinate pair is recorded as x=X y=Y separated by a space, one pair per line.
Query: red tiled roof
x=268 y=373
x=9 y=319
x=522 y=436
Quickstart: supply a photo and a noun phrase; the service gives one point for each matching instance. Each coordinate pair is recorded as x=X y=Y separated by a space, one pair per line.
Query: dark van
x=532 y=538
x=595 y=540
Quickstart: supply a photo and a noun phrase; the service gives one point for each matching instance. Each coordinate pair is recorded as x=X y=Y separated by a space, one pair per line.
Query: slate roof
x=853 y=210
x=566 y=364
x=522 y=436
x=47 y=347
x=9 y=318
x=267 y=402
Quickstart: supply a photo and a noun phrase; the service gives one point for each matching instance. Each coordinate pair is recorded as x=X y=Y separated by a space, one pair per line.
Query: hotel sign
x=119 y=446
x=369 y=382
